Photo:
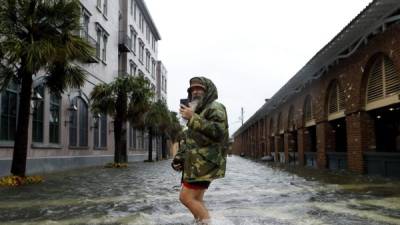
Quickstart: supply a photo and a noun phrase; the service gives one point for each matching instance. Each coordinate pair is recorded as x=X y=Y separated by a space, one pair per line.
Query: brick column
x=357 y=140
x=276 y=147
x=286 y=140
x=322 y=143
x=301 y=144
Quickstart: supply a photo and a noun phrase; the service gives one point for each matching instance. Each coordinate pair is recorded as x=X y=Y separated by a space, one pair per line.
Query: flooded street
x=251 y=193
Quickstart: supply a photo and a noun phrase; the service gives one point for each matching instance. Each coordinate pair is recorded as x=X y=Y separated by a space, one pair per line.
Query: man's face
x=197 y=92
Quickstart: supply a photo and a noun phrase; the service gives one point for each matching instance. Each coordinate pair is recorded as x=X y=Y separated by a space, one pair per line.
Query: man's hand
x=186 y=112
x=177 y=164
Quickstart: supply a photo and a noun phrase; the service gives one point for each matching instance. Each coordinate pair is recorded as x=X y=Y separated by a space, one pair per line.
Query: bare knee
x=185 y=198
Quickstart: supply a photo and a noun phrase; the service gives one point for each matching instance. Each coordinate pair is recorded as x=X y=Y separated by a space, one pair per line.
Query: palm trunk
x=164 y=147
x=117 y=140
x=18 y=166
x=150 y=145
x=119 y=129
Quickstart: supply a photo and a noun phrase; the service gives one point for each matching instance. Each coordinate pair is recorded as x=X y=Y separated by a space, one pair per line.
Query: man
x=202 y=156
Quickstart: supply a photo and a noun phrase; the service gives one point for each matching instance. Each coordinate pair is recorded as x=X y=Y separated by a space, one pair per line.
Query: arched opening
x=292 y=138
x=310 y=134
x=336 y=129
x=78 y=128
x=271 y=139
x=382 y=103
x=280 y=140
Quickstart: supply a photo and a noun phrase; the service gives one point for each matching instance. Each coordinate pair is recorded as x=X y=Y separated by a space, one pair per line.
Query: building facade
x=63 y=131
x=342 y=109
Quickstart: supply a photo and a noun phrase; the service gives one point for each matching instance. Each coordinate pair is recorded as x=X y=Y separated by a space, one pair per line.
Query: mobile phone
x=184 y=101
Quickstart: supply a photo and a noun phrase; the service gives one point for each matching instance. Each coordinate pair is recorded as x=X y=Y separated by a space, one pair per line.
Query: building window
x=153 y=68
x=98 y=43
x=147 y=60
x=54 y=121
x=141 y=50
x=132 y=68
x=148 y=34
x=37 y=116
x=308 y=113
x=8 y=122
x=105 y=8
x=98 y=5
x=78 y=130
x=383 y=80
x=135 y=9
x=336 y=98
x=86 y=21
x=101 y=46
x=100 y=131
x=133 y=40
x=104 y=51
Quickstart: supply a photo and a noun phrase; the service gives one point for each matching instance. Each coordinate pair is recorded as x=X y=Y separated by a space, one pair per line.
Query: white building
x=63 y=132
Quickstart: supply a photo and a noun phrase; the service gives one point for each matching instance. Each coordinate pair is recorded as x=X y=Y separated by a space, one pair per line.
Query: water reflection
x=251 y=193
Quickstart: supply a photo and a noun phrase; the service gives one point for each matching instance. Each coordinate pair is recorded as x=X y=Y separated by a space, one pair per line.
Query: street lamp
x=96 y=118
x=70 y=109
x=35 y=100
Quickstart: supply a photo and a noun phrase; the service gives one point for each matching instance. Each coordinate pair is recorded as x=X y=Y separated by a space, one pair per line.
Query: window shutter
x=375 y=83
x=336 y=98
x=308 y=110
x=392 y=81
x=383 y=81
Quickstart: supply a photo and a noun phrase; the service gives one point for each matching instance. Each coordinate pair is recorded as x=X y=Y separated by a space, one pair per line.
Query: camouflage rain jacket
x=204 y=147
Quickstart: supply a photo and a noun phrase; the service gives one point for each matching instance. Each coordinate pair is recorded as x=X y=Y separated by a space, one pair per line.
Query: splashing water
x=251 y=193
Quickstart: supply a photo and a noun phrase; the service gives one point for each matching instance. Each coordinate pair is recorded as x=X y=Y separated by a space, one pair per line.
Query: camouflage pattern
x=204 y=147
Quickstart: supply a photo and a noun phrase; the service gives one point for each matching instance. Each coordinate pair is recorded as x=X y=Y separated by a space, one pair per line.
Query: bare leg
x=193 y=200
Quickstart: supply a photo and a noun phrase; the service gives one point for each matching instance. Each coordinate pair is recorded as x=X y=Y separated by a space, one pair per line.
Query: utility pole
x=242 y=115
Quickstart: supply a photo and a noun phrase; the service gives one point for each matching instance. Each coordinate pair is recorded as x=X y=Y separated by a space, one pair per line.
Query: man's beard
x=195 y=102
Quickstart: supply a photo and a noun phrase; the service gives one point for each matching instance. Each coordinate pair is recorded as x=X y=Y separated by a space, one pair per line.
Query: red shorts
x=199 y=185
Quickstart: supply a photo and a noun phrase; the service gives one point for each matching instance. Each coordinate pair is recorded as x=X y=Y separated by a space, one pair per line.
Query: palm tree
x=126 y=98
x=175 y=130
x=156 y=121
x=35 y=40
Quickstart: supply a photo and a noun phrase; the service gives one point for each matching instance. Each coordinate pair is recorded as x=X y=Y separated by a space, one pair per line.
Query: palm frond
x=103 y=99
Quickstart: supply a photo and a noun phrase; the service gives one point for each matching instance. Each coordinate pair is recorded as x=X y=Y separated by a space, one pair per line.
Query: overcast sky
x=248 y=48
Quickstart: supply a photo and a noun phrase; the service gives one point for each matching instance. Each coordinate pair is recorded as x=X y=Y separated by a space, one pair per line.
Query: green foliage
x=135 y=89
x=35 y=38
x=157 y=117
x=39 y=37
x=174 y=130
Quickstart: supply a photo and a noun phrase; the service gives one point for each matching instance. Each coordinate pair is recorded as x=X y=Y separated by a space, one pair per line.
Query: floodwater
x=251 y=193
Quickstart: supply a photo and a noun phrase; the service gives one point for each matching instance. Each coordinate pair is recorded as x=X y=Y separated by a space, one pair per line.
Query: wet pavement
x=251 y=193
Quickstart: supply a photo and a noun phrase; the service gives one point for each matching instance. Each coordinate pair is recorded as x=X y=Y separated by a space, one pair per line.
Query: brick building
x=342 y=109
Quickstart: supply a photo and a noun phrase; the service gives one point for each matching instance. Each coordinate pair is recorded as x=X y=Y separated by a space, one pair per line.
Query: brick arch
x=271 y=126
x=329 y=87
x=279 y=123
x=291 y=124
x=305 y=101
x=368 y=66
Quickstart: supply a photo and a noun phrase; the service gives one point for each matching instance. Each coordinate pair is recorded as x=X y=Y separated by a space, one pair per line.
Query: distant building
x=342 y=109
x=63 y=132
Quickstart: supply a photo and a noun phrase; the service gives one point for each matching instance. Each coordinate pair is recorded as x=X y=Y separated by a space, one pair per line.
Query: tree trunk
x=117 y=139
x=150 y=145
x=163 y=146
x=18 y=165
x=120 y=155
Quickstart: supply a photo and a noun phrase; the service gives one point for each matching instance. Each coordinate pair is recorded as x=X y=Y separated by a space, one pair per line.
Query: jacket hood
x=210 y=94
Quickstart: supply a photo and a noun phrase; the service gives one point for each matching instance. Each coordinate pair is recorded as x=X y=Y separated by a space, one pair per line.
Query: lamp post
x=35 y=100
x=71 y=108
x=96 y=119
